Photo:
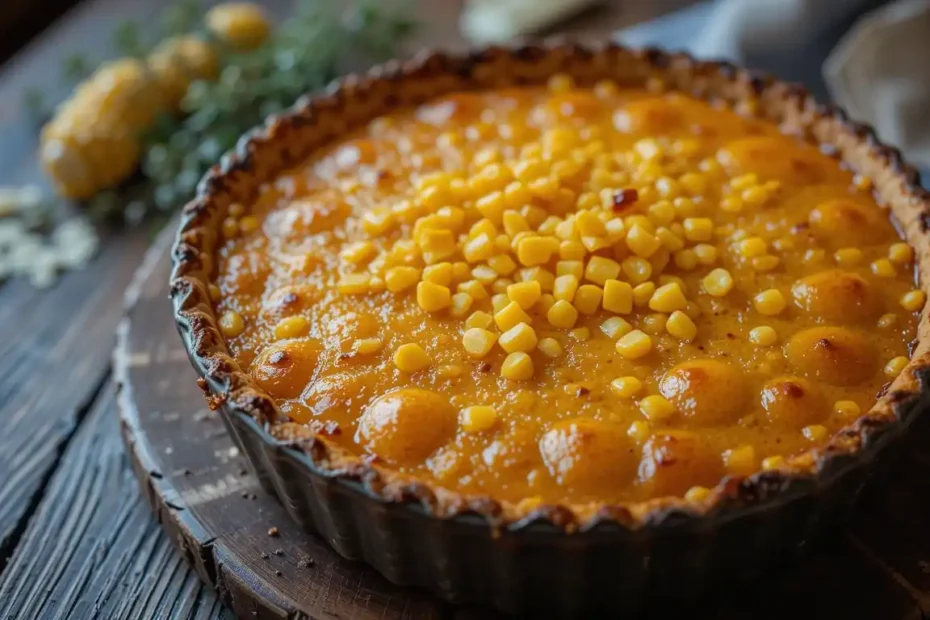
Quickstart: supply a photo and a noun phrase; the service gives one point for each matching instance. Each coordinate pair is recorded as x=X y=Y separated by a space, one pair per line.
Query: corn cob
x=93 y=142
x=241 y=25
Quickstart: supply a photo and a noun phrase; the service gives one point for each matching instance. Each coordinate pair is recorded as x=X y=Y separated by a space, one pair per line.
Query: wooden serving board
x=241 y=542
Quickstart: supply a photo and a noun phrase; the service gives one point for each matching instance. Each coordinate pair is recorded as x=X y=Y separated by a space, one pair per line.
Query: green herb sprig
x=301 y=55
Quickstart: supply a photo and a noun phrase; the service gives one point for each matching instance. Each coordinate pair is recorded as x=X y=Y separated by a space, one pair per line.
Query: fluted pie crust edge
x=287 y=138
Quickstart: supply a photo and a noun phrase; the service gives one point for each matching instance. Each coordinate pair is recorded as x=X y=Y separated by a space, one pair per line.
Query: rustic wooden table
x=78 y=539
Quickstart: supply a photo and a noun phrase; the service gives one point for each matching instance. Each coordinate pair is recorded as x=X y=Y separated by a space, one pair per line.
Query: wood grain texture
x=95 y=552
x=54 y=353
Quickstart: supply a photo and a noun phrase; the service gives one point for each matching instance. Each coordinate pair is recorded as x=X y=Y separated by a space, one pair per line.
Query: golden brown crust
x=357 y=98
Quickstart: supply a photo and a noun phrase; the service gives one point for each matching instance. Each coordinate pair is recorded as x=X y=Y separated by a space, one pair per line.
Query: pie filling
x=571 y=295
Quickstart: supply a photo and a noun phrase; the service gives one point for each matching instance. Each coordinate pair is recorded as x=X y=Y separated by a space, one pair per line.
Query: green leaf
x=127 y=40
x=75 y=67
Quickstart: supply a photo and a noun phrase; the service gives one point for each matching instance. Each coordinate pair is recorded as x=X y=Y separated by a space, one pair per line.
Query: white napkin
x=880 y=72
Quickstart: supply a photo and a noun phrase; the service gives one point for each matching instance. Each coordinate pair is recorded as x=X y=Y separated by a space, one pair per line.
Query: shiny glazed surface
x=569 y=295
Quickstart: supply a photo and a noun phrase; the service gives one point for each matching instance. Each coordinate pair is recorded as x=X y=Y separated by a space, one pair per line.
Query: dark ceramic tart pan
x=550 y=558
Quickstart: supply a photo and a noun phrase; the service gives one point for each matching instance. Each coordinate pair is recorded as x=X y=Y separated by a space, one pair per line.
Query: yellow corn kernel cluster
x=478 y=418
x=93 y=140
x=536 y=249
x=241 y=25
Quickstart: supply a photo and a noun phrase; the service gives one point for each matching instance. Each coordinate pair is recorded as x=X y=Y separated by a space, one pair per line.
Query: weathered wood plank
x=54 y=352
x=95 y=551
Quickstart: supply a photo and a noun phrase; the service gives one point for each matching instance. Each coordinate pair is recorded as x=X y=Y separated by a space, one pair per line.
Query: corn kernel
x=231 y=323
x=377 y=222
x=491 y=206
x=848 y=257
x=656 y=408
x=636 y=269
x=661 y=213
x=354 y=284
x=686 y=259
x=479 y=248
x=913 y=301
x=815 y=432
x=615 y=327
x=545 y=277
x=740 y=461
x=514 y=222
x=478 y=341
x=846 y=408
x=433 y=297
x=521 y=337
x=814 y=256
x=517 y=366
x=887 y=320
x=499 y=302
x=639 y=431
x=883 y=268
x=550 y=347
x=693 y=183
x=474 y=288
x=698 y=228
x=510 y=316
x=618 y=297
x=411 y=357
x=626 y=387
x=681 y=326
x=642 y=293
x=560 y=83
x=359 y=252
x=900 y=253
x=765 y=263
x=668 y=298
x=450 y=371
x=436 y=244
x=230 y=227
x=249 y=223
x=634 y=345
x=484 y=274
x=565 y=287
x=770 y=302
x=718 y=282
x=669 y=240
x=535 y=250
x=773 y=462
x=581 y=334
x=752 y=247
x=641 y=242
x=572 y=251
x=440 y=273
x=292 y=327
x=477 y=419
x=654 y=324
x=588 y=224
x=562 y=314
x=588 y=298
x=763 y=336
x=479 y=319
x=401 y=278
x=697 y=495
x=460 y=304
x=214 y=292
x=524 y=293
x=896 y=365
x=570 y=268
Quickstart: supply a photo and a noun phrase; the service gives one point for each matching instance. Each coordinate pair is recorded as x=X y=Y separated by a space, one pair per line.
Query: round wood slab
x=242 y=542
